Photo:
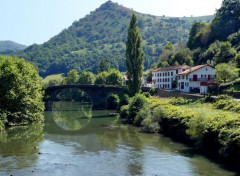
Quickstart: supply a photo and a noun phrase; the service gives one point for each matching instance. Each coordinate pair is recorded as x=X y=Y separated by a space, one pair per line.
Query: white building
x=196 y=79
x=163 y=77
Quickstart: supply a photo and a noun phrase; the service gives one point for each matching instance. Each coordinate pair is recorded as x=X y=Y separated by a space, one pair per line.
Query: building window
x=160 y=80
x=168 y=74
x=186 y=77
x=171 y=73
x=168 y=79
x=183 y=70
x=182 y=77
x=160 y=74
x=176 y=71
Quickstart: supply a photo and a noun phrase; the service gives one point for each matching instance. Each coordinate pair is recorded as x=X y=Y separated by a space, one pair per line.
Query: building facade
x=164 y=77
x=196 y=79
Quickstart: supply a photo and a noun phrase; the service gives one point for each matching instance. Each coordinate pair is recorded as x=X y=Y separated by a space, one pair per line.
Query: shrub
x=124 y=112
x=153 y=91
x=113 y=101
x=146 y=94
x=135 y=105
x=209 y=99
x=145 y=112
x=124 y=100
x=179 y=101
x=224 y=97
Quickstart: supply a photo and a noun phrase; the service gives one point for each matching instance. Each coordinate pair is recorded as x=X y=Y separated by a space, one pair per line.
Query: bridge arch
x=97 y=93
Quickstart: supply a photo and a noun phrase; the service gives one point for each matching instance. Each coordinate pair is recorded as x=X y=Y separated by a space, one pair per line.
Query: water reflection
x=71 y=116
x=19 y=146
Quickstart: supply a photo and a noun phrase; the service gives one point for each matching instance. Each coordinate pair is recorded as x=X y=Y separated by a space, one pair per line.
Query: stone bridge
x=97 y=93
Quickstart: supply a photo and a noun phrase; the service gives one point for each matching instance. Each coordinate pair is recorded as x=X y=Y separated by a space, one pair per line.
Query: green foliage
x=52 y=80
x=168 y=46
x=225 y=73
x=104 y=65
x=20 y=92
x=226 y=21
x=225 y=54
x=86 y=78
x=124 y=100
x=153 y=91
x=179 y=101
x=115 y=78
x=193 y=41
x=124 y=112
x=180 y=57
x=208 y=99
x=134 y=57
x=72 y=77
x=136 y=103
x=113 y=101
x=234 y=38
x=101 y=78
x=213 y=130
x=144 y=112
x=237 y=59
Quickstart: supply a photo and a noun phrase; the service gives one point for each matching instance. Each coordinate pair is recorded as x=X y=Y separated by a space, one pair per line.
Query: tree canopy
x=134 y=57
x=20 y=92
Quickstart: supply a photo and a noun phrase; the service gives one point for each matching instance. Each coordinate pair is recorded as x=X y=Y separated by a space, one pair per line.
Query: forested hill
x=7 y=47
x=102 y=34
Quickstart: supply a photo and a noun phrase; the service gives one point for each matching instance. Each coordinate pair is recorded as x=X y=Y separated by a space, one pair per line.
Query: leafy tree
x=86 y=78
x=20 y=92
x=168 y=46
x=101 y=78
x=104 y=65
x=114 y=78
x=225 y=54
x=227 y=20
x=195 y=29
x=113 y=101
x=72 y=77
x=189 y=61
x=237 y=59
x=162 y=64
x=225 y=73
x=180 y=56
x=134 y=57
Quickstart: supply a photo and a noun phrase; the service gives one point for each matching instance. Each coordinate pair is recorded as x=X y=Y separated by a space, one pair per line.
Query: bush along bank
x=212 y=131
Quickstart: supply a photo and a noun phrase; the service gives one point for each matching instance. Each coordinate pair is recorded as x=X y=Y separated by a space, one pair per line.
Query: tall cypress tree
x=134 y=57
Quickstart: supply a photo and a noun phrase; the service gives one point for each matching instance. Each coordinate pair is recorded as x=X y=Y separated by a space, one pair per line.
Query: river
x=75 y=140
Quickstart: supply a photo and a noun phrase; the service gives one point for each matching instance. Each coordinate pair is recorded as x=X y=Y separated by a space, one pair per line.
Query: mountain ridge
x=102 y=34
x=8 y=46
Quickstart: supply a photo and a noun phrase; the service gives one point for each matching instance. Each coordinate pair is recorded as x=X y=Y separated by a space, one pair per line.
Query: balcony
x=202 y=79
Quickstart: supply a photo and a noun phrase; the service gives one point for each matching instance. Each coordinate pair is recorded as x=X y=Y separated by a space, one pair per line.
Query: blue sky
x=36 y=21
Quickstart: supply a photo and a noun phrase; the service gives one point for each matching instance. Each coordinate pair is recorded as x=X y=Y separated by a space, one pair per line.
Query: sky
x=36 y=21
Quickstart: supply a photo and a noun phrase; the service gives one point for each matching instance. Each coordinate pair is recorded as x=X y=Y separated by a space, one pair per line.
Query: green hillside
x=7 y=47
x=102 y=34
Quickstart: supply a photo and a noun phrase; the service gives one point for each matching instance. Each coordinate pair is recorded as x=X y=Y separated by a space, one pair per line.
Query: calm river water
x=78 y=141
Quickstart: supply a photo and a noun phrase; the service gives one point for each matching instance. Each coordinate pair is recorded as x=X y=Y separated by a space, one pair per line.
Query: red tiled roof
x=172 y=68
x=193 y=69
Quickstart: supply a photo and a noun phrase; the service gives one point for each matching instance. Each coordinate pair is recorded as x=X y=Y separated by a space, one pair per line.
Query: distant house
x=146 y=83
x=196 y=79
x=164 y=77
x=125 y=78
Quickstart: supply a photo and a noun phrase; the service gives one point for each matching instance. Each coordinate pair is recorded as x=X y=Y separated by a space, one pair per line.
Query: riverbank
x=209 y=127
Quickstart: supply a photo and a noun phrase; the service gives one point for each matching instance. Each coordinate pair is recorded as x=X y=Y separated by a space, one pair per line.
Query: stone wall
x=170 y=94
